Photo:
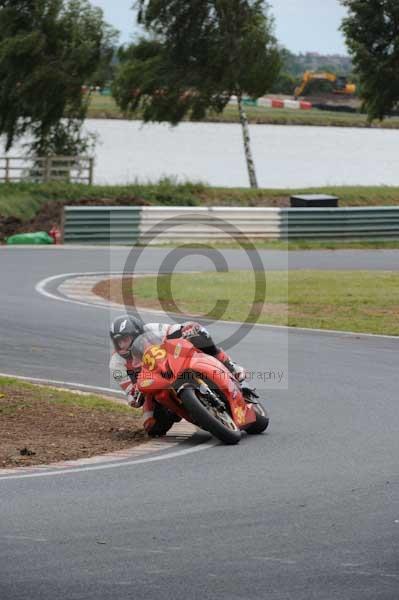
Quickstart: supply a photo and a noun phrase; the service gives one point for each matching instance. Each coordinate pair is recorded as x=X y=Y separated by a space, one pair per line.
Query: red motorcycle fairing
x=175 y=361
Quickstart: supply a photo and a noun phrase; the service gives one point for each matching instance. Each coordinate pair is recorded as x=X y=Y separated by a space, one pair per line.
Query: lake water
x=285 y=156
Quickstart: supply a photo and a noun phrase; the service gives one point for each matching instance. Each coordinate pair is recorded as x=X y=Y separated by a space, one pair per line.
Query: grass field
x=105 y=107
x=359 y=301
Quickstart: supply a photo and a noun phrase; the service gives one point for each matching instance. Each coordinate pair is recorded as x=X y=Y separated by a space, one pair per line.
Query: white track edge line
x=116 y=465
x=68 y=384
x=105 y=465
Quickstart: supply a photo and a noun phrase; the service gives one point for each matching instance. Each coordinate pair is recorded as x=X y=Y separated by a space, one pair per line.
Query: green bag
x=38 y=237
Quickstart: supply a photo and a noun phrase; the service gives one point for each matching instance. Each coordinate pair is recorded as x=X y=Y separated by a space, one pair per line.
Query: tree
x=372 y=36
x=284 y=84
x=48 y=50
x=198 y=56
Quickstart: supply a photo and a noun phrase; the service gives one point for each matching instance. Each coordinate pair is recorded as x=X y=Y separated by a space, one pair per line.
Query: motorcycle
x=199 y=388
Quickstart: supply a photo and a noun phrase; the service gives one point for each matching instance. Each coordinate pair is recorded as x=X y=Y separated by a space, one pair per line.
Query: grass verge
x=64 y=397
x=359 y=301
x=298 y=245
x=33 y=207
x=24 y=200
x=41 y=425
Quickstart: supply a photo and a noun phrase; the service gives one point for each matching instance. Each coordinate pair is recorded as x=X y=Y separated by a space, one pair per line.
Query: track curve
x=308 y=511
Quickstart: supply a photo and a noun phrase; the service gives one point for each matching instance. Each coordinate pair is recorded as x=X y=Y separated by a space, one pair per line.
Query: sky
x=301 y=25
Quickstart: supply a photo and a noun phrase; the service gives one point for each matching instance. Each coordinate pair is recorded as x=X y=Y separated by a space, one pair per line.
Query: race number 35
x=152 y=356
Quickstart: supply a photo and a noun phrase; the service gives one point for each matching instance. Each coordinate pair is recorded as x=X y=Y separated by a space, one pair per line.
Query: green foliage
x=48 y=50
x=24 y=200
x=284 y=84
x=105 y=71
x=64 y=138
x=372 y=34
x=200 y=54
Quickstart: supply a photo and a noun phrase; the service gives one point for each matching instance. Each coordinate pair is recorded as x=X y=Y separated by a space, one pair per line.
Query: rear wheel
x=262 y=420
x=218 y=423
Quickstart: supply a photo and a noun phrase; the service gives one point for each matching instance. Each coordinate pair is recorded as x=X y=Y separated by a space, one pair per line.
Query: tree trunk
x=247 y=143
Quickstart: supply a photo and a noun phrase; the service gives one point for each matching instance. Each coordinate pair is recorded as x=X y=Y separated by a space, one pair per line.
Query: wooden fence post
x=47 y=165
x=7 y=174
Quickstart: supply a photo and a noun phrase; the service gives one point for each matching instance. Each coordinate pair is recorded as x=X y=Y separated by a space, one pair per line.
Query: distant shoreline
x=104 y=107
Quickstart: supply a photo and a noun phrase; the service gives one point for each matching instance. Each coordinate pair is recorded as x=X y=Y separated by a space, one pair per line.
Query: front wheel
x=220 y=424
x=262 y=420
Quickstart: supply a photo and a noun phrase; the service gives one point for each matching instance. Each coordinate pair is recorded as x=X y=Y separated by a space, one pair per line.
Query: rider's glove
x=190 y=330
x=136 y=400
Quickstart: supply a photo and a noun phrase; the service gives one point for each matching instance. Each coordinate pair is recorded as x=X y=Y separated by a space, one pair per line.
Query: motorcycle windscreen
x=145 y=341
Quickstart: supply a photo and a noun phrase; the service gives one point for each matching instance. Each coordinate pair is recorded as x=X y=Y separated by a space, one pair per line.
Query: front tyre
x=262 y=420
x=219 y=424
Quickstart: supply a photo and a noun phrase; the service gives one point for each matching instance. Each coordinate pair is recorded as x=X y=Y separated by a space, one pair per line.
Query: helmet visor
x=123 y=343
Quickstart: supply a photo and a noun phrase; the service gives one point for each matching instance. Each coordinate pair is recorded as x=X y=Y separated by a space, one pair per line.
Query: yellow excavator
x=340 y=83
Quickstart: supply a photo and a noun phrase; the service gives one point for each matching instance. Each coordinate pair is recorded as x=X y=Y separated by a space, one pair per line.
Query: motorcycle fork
x=202 y=387
x=214 y=400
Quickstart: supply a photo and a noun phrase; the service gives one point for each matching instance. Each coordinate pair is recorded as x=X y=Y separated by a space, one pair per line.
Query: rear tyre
x=262 y=420
x=221 y=425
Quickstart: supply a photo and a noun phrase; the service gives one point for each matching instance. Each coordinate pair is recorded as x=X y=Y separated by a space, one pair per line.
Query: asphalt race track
x=308 y=511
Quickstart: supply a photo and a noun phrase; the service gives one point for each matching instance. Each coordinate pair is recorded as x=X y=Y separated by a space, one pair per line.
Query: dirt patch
x=35 y=429
x=121 y=291
x=392 y=312
x=278 y=310
x=52 y=213
x=9 y=226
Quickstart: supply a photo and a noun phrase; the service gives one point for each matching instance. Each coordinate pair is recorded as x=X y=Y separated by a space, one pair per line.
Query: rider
x=125 y=366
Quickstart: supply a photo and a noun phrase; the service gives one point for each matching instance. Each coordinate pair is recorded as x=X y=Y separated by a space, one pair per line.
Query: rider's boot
x=237 y=370
x=158 y=421
x=250 y=395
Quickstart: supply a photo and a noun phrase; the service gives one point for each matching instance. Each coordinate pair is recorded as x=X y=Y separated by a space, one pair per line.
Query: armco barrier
x=161 y=224
x=372 y=223
x=187 y=224
x=101 y=224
